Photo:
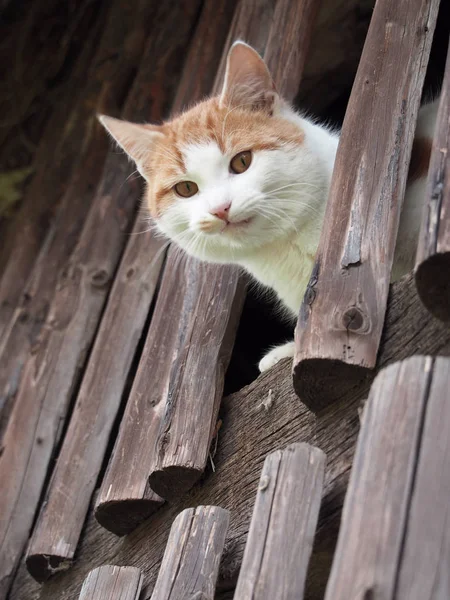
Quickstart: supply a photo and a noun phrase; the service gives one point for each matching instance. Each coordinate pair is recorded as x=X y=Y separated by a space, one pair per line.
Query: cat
x=243 y=178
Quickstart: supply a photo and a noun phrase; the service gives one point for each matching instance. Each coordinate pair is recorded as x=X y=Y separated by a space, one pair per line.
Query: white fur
x=283 y=195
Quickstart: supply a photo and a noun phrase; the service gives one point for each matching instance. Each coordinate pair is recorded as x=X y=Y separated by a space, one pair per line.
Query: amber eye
x=186 y=189
x=241 y=162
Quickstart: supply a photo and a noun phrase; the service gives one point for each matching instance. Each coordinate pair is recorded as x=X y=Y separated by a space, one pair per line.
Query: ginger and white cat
x=243 y=178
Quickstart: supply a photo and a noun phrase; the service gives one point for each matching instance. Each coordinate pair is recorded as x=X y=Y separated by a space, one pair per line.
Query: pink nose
x=221 y=211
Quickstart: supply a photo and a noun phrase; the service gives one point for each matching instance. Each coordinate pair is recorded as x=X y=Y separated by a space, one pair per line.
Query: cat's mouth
x=236 y=225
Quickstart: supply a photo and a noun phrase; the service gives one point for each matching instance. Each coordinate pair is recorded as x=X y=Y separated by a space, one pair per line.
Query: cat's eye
x=186 y=189
x=241 y=162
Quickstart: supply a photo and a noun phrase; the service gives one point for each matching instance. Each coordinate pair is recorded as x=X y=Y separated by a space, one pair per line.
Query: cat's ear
x=248 y=83
x=136 y=140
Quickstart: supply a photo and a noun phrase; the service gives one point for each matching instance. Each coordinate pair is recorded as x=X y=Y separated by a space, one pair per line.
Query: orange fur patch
x=234 y=130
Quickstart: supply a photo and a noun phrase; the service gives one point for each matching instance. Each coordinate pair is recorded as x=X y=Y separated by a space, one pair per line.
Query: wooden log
x=249 y=432
x=176 y=462
x=342 y=314
x=283 y=525
x=56 y=535
x=433 y=252
x=112 y=583
x=382 y=536
x=425 y=574
x=54 y=363
x=190 y=565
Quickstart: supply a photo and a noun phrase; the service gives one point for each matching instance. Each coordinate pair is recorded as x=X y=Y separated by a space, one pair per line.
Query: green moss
x=11 y=187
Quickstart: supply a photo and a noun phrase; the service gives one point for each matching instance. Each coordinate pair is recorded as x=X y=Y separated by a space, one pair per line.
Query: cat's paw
x=275 y=355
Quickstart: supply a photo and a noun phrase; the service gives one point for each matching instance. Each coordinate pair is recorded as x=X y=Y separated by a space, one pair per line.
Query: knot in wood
x=100 y=278
x=353 y=319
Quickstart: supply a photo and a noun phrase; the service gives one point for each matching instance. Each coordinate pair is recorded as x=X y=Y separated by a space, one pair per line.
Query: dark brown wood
x=112 y=583
x=58 y=354
x=190 y=414
x=249 y=432
x=59 y=526
x=283 y=525
x=433 y=252
x=382 y=535
x=341 y=318
x=61 y=520
x=190 y=565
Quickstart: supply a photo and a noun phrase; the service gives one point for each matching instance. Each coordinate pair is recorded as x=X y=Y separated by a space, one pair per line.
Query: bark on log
x=112 y=583
x=190 y=565
x=54 y=363
x=283 y=525
x=249 y=432
x=181 y=450
x=393 y=484
x=433 y=252
x=341 y=318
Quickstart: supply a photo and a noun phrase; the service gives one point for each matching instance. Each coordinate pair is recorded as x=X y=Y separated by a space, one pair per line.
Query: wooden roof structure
x=127 y=474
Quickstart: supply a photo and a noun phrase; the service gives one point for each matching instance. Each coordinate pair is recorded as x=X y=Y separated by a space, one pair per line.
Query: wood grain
x=60 y=523
x=249 y=432
x=433 y=252
x=283 y=525
x=389 y=516
x=181 y=450
x=342 y=315
x=422 y=574
x=54 y=362
x=190 y=565
x=112 y=583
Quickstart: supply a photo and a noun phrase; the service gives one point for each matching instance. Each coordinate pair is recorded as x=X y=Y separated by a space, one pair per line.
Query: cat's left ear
x=248 y=83
x=137 y=140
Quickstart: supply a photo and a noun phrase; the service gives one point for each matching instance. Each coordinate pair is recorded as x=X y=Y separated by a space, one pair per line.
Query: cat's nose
x=221 y=211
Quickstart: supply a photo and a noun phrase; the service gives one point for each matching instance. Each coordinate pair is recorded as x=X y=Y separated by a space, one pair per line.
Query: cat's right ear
x=136 y=140
x=248 y=83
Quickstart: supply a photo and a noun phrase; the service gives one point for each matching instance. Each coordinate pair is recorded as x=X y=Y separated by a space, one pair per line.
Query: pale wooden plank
x=433 y=252
x=54 y=361
x=423 y=572
x=190 y=565
x=283 y=525
x=342 y=314
x=376 y=507
x=112 y=583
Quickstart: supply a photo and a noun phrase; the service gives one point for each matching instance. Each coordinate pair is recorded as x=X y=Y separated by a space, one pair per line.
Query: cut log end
x=172 y=481
x=43 y=566
x=319 y=382
x=433 y=285
x=123 y=516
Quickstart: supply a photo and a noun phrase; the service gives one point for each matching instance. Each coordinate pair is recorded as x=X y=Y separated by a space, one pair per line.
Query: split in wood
x=397 y=500
x=342 y=315
x=112 y=583
x=283 y=525
x=433 y=253
x=191 y=560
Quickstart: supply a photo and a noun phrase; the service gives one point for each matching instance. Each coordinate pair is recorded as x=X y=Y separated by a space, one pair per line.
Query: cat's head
x=223 y=176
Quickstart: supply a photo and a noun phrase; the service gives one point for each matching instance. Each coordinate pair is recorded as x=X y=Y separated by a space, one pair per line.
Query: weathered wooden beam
x=394 y=483
x=283 y=525
x=112 y=583
x=54 y=362
x=57 y=532
x=433 y=252
x=252 y=428
x=342 y=314
x=190 y=565
x=185 y=429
